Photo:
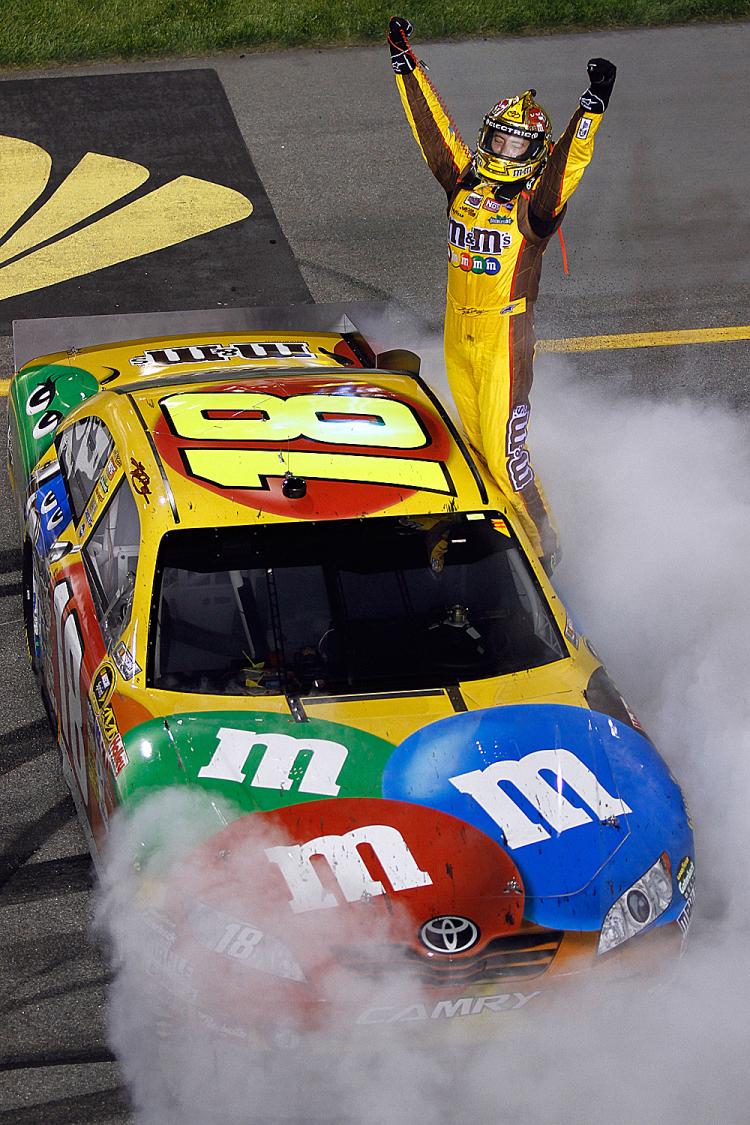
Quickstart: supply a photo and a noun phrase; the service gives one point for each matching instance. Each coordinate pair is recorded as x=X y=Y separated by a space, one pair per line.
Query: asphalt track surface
x=657 y=239
x=146 y=175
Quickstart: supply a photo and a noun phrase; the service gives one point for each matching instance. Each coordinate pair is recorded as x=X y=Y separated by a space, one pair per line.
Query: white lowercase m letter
x=348 y=866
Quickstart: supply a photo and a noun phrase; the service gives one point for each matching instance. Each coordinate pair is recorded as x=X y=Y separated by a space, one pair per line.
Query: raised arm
x=433 y=128
x=573 y=151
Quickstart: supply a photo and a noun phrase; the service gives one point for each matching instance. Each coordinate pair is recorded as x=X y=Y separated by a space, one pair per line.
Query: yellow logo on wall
x=53 y=245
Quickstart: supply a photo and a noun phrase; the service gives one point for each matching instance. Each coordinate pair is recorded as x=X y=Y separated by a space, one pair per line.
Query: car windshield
x=349 y=606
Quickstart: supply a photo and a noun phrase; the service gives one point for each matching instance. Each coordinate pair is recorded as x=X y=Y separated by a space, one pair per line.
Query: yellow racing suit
x=495 y=252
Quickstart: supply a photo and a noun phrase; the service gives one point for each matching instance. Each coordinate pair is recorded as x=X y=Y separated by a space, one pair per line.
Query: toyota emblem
x=449 y=934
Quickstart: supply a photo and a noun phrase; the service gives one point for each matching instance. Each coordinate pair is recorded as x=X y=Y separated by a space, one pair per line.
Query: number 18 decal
x=362 y=422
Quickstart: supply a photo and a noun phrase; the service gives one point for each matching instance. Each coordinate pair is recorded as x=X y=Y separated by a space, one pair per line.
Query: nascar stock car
x=260 y=561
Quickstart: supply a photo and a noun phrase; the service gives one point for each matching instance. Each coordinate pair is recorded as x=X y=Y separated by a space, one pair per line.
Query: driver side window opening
x=83 y=450
x=111 y=557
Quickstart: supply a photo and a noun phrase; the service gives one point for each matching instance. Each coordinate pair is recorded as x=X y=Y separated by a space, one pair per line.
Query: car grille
x=516 y=956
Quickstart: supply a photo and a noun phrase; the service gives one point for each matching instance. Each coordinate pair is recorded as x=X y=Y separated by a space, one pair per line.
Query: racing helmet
x=522 y=118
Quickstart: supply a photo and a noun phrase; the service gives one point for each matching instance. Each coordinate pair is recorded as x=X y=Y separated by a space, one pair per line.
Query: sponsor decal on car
x=140 y=479
x=223 y=353
x=97 y=764
x=103 y=685
x=105 y=721
x=354 y=879
x=45 y=394
x=100 y=492
x=52 y=511
x=685 y=918
x=365 y=860
x=528 y=776
x=266 y=761
x=570 y=632
x=686 y=876
x=448 y=1009
x=127 y=665
x=358 y=450
x=570 y=793
x=117 y=754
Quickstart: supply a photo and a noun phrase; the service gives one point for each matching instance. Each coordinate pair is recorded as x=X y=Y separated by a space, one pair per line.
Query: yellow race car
x=261 y=562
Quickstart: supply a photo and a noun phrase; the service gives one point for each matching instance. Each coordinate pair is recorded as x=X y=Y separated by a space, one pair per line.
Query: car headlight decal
x=638 y=906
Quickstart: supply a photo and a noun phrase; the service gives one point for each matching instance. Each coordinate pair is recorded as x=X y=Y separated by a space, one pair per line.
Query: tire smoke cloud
x=652 y=500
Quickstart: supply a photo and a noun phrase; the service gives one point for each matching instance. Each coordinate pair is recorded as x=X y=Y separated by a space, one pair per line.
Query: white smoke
x=203 y=1037
x=652 y=501
x=653 y=498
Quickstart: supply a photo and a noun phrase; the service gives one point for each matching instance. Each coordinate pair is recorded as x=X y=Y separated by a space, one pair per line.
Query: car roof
x=223 y=423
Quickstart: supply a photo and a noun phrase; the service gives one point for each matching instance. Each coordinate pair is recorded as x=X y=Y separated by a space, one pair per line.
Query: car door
x=91 y=590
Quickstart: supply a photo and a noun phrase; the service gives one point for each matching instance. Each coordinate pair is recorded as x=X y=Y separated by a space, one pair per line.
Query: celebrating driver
x=505 y=201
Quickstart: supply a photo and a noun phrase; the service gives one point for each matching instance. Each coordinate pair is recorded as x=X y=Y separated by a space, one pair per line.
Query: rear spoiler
x=376 y=326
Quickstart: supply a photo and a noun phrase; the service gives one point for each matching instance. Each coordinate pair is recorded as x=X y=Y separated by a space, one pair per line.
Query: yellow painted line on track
x=625 y=340
x=646 y=339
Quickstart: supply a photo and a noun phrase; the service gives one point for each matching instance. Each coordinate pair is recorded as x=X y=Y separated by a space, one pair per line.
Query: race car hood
x=581 y=802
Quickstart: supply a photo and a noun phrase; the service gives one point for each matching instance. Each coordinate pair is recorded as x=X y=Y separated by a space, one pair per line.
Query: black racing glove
x=403 y=58
x=601 y=78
